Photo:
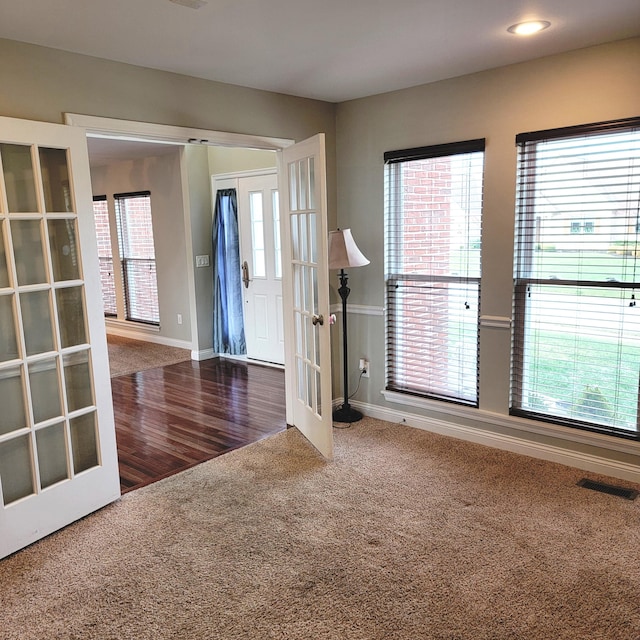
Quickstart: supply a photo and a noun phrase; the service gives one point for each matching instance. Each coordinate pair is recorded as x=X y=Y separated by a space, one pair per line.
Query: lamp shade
x=343 y=251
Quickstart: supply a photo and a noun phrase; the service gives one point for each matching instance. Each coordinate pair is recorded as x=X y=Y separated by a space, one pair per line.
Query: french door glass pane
x=297 y=286
x=312 y=186
x=71 y=316
x=45 y=389
x=52 y=454
x=77 y=376
x=4 y=271
x=275 y=201
x=64 y=250
x=15 y=469
x=303 y=184
x=313 y=244
x=303 y=237
x=12 y=416
x=36 y=322
x=19 y=178
x=301 y=385
x=8 y=338
x=83 y=442
x=295 y=238
x=28 y=252
x=55 y=180
x=293 y=187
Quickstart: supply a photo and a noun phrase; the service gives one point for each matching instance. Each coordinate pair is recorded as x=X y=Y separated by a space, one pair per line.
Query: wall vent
x=611 y=489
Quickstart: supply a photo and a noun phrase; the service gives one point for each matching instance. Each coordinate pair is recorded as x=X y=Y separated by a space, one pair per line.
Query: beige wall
x=161 y=176
x=230 y=160
x=39 y=83
x=589 y=85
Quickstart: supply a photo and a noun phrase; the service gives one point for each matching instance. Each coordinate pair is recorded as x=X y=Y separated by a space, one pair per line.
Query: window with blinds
x=433 y=214
x=137 y=256
x=576 y=346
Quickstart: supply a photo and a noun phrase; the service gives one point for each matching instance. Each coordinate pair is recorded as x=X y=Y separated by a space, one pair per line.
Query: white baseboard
x=145 y=335
x=576 y=459
x=203 y=354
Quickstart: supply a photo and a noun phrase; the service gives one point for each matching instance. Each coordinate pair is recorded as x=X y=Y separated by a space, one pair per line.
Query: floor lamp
x=343 y=254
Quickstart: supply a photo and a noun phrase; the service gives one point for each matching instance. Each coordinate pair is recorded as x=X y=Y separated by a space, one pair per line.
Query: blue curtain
x=228 y=323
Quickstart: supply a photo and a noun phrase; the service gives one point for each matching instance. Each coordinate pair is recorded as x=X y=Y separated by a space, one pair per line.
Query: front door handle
x=245 y=274
x=318 y=320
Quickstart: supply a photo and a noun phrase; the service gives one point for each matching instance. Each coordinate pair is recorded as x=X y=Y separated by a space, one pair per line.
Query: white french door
x=306 y=291
x=58 y=459
x=261 y=259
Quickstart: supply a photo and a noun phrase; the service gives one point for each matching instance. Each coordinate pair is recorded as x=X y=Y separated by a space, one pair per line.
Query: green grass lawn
x=585 y=265
x=588 y=378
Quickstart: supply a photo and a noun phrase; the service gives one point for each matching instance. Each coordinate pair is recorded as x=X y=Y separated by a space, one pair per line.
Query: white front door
x=58 y=458
x=261 y=260
x=306 y=291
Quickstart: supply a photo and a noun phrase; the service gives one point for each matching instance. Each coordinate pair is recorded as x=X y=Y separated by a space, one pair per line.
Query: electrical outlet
x=364 y=367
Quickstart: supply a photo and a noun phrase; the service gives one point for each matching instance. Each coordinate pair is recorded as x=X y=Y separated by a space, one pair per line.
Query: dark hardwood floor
x=171 y=418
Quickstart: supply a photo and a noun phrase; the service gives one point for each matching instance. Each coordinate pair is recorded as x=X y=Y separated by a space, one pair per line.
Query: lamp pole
x=346 y=413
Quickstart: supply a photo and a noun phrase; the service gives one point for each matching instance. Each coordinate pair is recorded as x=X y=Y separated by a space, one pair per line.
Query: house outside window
x=137 y=256
x=128 y=278
x=105 y=255
x=433 y=213
x=576 y=347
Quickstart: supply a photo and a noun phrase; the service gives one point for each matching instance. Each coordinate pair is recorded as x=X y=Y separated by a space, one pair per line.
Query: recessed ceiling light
x=529 y=27
x=192 y=4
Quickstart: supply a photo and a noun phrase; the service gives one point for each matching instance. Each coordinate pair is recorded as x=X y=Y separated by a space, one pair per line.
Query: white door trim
x=150 y=132
x=251 y=173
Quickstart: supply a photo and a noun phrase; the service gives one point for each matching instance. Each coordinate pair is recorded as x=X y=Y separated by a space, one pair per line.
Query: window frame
x=523 y=264
x=393 y=206
x=119 y=199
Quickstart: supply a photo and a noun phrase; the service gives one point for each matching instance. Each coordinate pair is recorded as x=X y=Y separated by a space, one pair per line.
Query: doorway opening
x=122 y=164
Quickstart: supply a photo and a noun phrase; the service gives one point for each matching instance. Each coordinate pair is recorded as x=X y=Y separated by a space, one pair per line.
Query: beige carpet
x=129 y=356
x=406 y=535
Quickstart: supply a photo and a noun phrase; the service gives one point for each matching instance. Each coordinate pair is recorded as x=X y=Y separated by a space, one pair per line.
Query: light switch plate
x=202 y=261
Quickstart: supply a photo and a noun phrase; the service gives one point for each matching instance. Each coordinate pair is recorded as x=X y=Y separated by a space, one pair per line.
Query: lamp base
x=346 y=413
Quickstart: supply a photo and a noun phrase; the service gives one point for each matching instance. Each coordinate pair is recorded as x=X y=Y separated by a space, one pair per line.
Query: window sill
x=604 y=441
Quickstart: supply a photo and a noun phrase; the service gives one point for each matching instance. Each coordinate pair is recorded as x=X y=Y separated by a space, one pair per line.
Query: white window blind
x=433 y=208
x=576 y=348
x=137 y=256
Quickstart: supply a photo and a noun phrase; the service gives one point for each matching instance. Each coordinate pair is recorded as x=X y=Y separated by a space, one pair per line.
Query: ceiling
x=332 y=50
x=107 y=150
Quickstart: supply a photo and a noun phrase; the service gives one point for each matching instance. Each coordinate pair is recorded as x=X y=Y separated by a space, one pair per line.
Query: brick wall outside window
x=103 y=234
x=426 y=185
x=433 y=270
